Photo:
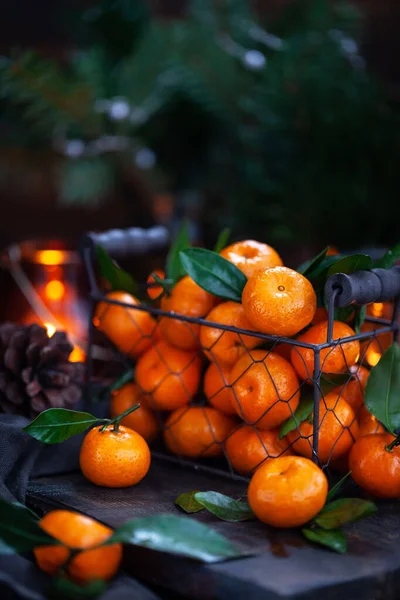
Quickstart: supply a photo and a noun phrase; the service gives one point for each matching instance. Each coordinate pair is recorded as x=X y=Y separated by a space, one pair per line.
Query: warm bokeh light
x=54 y=290
x=51 y=257
x=377 y=309
x=373 y=355
x=77 y=355
x=50 y=329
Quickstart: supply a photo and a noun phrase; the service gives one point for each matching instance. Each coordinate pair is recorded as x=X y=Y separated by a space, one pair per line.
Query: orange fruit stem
x=396 y=442
x=117 y=420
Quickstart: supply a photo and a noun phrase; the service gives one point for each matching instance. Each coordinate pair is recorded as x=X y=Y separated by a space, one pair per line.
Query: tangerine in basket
x=375 y=466
x=279 y=301
x=155 y=291
x=353 y=390
x=217 y=390
x=190 y=300
x=287 y=491
x=266 y=389
x=170 y=376
x=143 y=420
x=197 y=431
x=338 y=430
x=248 y=447
x=79 y=532
x=368 y=423
x=336 y=359
x=112 y=457
x=225 y=347
x=250 y=256
x=129 y=329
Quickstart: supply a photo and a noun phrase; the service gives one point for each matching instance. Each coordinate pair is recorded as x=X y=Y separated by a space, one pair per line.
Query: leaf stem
x=116 y=421
x=396 y=442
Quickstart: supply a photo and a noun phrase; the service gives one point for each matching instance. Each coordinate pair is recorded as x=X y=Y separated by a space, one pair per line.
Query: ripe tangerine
x=250 y=256
x=375 y=468
x=143 y=420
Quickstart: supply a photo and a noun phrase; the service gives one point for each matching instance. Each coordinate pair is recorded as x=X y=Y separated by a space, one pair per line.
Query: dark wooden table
x=277 y=565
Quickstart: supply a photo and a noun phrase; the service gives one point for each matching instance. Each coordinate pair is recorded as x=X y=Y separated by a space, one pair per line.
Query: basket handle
x=120 y=243
x=363 y=287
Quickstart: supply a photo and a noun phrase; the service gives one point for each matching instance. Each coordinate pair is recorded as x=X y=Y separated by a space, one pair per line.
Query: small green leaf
x=333 y=539
x=166 y=284
x=174 y=269
x=302 y=412
x=65 y=589
x=125 y=378
x=19 y=531
x=225 y=508
x=214 y=273
x=307 y=267
x=56 y=425
x=117 y=278
x=222 y=239
x=329 y=381
x=337 y=487
x=178 y=535
x=346 y=510
x=361 y=313
x=382 y=392
x=343 y=313
x=188 y=502
x=388 y=259
x=28 y=510
x=350 y=264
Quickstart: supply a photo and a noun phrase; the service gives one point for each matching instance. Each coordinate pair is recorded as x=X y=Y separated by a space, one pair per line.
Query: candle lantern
x=46 y=285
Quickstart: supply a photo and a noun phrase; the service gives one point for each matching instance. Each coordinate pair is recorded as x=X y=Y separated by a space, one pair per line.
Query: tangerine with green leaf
x=375 y=465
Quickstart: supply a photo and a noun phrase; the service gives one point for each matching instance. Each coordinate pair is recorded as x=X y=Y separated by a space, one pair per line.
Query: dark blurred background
x=278 y=118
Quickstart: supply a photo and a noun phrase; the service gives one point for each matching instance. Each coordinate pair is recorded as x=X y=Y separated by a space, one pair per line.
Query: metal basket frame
x=385 y=326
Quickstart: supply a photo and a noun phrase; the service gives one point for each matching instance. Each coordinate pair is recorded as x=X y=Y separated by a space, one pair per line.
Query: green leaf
x=302 y=412
x=361 y=313
x=188 y=502
x=350 y=264
x=65 y=589
x=117 y=278
x=174 y=269
x=337 y=487
x=382 y=392
x=333 y=539
x=56 y=425
x=222 y=239
x=346 y=510
x=310 y=265
x=214 y=273
x=178 y=535
x=343 y=313
x=225 y=508
x=388 y=259
x=19 y=531
x=125 y=378
x=329 y=381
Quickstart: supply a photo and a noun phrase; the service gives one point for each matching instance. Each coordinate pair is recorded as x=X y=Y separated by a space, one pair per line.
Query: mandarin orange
x=250 y=256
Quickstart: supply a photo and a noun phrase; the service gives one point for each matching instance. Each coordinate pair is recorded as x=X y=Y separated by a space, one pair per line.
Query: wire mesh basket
x=227 y=398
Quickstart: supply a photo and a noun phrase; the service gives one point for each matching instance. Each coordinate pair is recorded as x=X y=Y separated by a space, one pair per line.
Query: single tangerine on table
x=217 y=390
x=247 y=447
x=143 y=420
x=197 y=431
x=129 y=329
x=188 y=299
x=78 y=532
x=353 y=390
x=169 y=375
x=155 y=291
x=250 y=256
x=225 y=347
x=279 y=301
x=335 y=359
x=266 y=389
x=374 y=467
x=287 y=491
x=114 y=458
x=338 y=430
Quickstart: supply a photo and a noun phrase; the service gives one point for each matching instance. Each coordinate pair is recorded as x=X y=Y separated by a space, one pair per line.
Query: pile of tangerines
x=250 y=390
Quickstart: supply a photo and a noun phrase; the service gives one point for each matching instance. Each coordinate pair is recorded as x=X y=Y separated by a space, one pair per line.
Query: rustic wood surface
x=277 y=565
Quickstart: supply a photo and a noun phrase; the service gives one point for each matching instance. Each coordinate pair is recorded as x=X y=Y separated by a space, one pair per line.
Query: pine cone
x=35 y=373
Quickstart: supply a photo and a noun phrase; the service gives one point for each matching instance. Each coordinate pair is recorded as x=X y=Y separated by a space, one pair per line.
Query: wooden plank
x=278 y=565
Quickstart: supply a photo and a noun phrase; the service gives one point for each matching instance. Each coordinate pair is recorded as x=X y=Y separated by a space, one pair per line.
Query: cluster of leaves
x=325 y=528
